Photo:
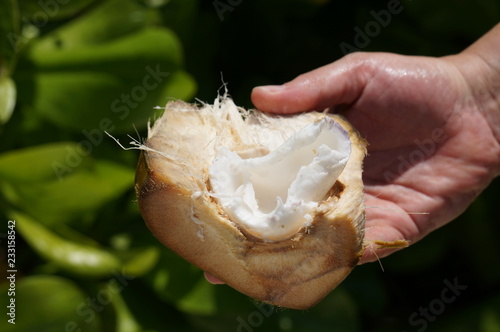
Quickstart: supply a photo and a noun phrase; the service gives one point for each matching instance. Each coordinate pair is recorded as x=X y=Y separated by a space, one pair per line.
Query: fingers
x=386 y=232
x=213 y=280
x=340 y=82
x=377 y=250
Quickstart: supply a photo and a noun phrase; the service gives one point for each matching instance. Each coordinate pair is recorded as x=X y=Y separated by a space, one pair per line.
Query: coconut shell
x=173 y=191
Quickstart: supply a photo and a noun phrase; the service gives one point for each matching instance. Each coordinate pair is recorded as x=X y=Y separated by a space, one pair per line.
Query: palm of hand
x=425 y=133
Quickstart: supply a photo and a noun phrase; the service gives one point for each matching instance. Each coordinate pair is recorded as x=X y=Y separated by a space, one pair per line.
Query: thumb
x=340 y=82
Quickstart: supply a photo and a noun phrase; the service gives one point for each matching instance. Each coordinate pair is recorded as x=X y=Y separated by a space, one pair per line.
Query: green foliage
x=53 y=302
x=7 y=98
x=8 y=22
x=72 y=71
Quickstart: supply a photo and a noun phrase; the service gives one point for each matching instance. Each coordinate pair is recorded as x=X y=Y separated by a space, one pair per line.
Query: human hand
x=432 y=147
x=433 y=128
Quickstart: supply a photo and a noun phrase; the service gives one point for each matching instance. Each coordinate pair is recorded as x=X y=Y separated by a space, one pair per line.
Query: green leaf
x=110 y=65
x=490 y=320
x=46 y=303
x=58 y=184
x=9 y=30
x=173 y=277
x=201 y=300
x=72 y=257
x=34 y=163
x=180 y=86
x=80 y=193
x=7 y=98
x=141 y=261
x=107 y=21
x=119 y=82
x=125 y=320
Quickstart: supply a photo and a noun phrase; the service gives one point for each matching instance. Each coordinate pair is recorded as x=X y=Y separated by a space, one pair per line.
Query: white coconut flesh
x=272 y=190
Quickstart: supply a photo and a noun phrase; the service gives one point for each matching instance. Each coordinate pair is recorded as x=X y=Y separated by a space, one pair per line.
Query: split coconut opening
x=272 y=205
x=271 y=190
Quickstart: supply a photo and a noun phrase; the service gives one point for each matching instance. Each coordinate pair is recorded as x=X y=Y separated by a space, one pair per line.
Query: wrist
x=479 y=65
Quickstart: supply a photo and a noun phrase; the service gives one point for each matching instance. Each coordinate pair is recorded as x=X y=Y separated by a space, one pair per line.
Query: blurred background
x=72 y=70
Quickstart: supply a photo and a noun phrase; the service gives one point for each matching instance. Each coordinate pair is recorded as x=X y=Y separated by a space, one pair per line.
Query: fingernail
x=272 y=88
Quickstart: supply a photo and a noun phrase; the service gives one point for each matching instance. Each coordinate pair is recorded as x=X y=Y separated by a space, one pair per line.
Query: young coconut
x=270 y=205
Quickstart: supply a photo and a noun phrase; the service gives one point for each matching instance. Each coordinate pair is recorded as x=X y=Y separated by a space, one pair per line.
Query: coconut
x=271 y=205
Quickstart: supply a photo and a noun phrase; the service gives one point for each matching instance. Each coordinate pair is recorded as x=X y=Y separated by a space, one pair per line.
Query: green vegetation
x=72 y=71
